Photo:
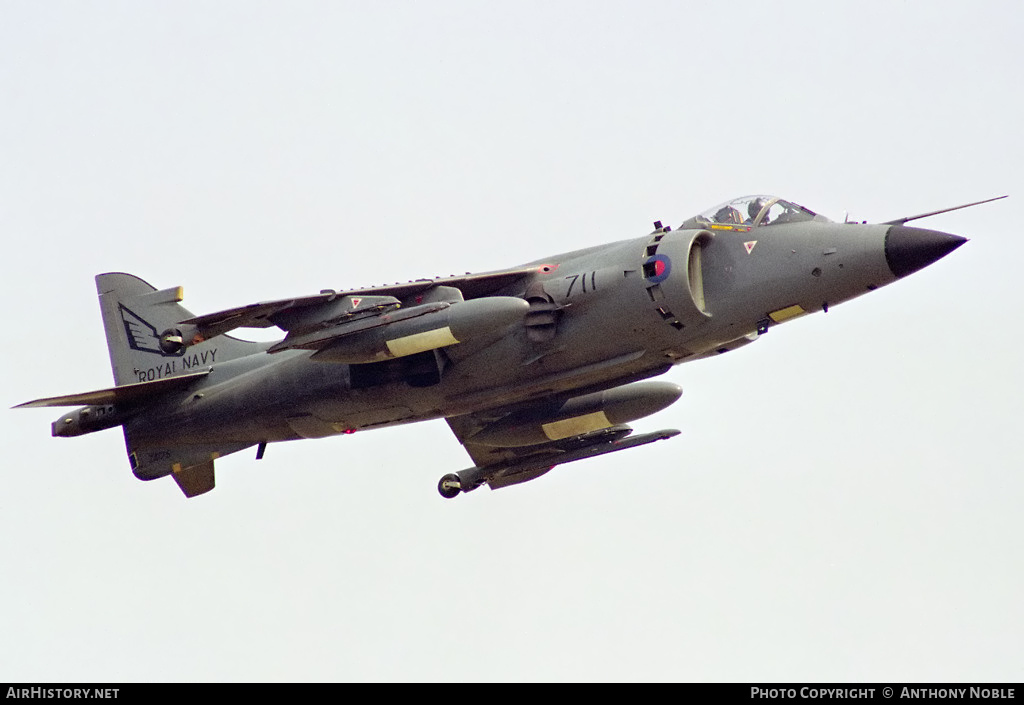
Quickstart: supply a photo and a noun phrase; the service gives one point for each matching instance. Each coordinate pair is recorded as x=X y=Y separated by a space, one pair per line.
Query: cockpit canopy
x=749 y=212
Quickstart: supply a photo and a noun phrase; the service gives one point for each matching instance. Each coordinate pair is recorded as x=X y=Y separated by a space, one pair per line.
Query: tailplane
x=141 y=324
x=150 y=366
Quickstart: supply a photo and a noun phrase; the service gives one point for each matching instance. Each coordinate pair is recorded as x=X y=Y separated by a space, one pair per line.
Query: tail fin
x=135 y=318
x=135 y=315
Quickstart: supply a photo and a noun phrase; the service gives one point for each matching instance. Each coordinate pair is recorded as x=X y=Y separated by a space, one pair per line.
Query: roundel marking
x=657 y=268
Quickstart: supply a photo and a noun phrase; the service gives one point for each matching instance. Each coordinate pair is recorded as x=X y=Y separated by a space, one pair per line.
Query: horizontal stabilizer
x=124 y=394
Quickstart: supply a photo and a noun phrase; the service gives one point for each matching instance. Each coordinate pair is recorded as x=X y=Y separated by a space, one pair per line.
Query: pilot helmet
x=727 y=214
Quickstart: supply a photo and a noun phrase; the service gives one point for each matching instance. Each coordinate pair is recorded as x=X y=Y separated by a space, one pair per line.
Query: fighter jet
x=532 y=367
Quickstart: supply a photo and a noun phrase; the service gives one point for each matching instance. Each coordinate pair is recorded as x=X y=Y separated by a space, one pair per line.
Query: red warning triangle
x=750 y=246
x=356 y=302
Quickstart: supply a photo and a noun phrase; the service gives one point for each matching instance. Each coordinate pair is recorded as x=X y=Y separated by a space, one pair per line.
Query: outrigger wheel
x=449 y=486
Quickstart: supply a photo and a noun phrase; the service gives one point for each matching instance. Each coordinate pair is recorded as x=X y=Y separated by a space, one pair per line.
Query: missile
x=580 y=415
x=413 y=330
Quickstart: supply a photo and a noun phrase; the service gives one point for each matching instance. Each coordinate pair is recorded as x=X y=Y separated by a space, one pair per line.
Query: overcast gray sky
x=844 y=502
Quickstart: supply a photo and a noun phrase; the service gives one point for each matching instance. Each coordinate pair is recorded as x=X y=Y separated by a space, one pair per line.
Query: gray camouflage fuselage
x=594 y=320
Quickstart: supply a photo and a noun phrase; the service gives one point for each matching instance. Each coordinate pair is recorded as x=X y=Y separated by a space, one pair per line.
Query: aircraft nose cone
x=910 y=249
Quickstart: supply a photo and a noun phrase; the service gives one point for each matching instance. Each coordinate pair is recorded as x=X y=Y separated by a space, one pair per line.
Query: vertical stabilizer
x=136 y=314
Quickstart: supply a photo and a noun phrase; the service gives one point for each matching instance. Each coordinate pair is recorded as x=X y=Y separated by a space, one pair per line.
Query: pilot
x=728 y=214
x=753 y=208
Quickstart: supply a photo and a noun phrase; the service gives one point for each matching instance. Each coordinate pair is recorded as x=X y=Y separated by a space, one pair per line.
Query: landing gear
x=449 y=486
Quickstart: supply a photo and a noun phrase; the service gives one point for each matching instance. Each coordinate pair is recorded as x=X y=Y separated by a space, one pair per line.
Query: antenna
x=901 y=221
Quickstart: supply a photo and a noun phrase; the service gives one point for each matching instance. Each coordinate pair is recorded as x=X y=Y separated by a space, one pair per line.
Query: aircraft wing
x=504 y=466
x=254 y=315
x=472 y=286
x=324 y=305
x=500 y=467
x=465 y=427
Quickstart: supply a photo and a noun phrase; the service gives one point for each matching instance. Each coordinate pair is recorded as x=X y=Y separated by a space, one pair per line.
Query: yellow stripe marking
x=577 y=425
x=420 y=342
x=784 y=314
